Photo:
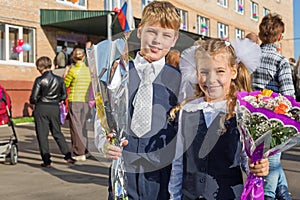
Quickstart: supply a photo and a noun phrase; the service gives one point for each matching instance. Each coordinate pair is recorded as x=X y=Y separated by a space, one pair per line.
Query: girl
x=209 y=148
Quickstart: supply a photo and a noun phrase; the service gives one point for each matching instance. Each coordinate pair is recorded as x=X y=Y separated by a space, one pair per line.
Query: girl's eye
x=204 y=73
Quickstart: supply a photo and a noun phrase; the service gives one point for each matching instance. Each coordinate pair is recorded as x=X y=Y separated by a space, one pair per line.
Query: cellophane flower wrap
x=109 y=76
x=269 y=123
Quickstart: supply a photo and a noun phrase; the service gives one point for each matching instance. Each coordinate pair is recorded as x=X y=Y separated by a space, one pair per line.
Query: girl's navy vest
x=216 y=175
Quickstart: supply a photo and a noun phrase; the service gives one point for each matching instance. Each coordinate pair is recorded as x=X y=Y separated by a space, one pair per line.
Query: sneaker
x=79 y=158
x=71 y=161
x=46 y=165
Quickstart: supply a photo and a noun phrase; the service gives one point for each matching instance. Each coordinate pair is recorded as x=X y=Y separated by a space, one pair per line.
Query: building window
x=111 y=4
x=145 y=3
x=17 y=43
x=81 y=3
x=202 y=25
x=184 y=18
x=239 y=6
x=254 y=10
x=223 y=31
x=223 y=3
x=239 y=34
x=266 y=11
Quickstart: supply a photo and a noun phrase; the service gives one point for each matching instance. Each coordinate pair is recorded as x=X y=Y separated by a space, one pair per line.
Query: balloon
x=74 y=1
x=19 y=49
x=26 y=47
x=202 y=30
x=20 y=42
x=117 y=10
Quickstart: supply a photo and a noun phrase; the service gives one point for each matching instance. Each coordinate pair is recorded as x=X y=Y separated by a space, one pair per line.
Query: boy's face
x=156 y=41
x=215 y=76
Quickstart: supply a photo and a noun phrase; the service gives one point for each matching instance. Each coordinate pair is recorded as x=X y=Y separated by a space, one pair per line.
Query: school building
x=30 y=29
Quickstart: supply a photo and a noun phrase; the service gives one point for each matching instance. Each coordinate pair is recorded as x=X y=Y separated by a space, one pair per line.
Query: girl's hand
x=111 y=151
x=259 y=168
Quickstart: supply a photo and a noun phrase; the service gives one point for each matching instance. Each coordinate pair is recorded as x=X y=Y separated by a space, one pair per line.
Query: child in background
x=274 y=73
x=148 y=155
x=209 y=151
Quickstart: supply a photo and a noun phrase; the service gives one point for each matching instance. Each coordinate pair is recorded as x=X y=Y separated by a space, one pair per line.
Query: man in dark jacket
x=47 y=92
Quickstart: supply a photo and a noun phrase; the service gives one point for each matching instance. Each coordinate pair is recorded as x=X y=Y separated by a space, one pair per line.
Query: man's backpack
x=5 y=106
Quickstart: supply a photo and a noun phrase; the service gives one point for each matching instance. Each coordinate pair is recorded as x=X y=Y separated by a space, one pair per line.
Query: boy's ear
x=139 y=30
x=175 y=39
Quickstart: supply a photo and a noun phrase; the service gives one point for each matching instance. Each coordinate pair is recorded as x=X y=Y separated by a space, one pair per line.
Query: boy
x=274 y=73
x=150 y=150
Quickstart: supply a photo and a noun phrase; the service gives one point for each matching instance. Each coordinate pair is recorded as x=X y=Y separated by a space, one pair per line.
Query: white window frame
x=254 y=10
x=202 y=21
x=111 y=4
x=184 y=17
x=77 y=4
x=145 y=3
x=222 y=30
x=223 y=3
x=239 y=33
x=238 y=4
x=20 y=61
x=266 y=11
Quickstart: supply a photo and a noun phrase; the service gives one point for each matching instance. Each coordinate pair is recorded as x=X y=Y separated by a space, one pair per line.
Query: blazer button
x=202 y=180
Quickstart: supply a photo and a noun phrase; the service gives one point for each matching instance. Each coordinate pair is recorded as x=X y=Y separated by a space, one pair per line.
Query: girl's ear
x=234 y=72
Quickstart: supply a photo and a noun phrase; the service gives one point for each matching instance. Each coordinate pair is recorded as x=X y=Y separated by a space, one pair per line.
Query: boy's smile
x=156 y=41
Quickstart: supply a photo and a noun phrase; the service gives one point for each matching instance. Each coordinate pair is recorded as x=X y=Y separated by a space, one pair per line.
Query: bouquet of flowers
x=269 y=123
x=109 y=74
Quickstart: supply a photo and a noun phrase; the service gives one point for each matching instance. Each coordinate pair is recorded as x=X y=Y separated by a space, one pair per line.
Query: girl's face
x=215 y=75
x=156 y=41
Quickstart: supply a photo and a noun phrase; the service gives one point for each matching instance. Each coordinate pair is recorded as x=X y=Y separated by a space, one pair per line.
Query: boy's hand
x=259 y=168
x=111 y=151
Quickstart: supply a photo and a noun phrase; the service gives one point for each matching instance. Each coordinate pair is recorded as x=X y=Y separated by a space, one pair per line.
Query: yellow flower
x=266 y=92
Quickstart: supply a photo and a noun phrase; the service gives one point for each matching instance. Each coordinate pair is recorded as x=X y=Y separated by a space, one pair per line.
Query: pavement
x=27 y=180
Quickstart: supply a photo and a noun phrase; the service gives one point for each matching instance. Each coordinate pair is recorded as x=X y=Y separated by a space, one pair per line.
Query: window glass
x=202 y=25
x=184 y=18
x=17 y=43
x=239 y=6
x=266 y=11
x=2 y=41
x=82 y=3
x=223 y=31
x=254 y=11
x=239 y=34
x=145 y=3
x=28 y=55
x=14 y=48
x=111 y=4
x=223 y=3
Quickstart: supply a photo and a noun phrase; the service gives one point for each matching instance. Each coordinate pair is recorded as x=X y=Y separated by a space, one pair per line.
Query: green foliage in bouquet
x=258 y=125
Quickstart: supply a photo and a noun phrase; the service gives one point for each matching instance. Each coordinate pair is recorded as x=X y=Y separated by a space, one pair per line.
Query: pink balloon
x=20 y=42
x=19 y=49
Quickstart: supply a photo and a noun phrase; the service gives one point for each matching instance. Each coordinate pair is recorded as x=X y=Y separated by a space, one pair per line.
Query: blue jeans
x=276 y=177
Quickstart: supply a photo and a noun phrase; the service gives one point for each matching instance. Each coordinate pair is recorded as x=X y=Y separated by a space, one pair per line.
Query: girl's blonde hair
x=163 y=12
x=213 y=47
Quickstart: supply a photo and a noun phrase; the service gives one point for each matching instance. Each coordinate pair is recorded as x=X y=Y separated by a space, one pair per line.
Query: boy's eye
x=168 y=35
x=221 y=71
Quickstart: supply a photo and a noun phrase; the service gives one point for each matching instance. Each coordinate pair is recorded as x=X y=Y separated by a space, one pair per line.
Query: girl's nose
x=212 y=77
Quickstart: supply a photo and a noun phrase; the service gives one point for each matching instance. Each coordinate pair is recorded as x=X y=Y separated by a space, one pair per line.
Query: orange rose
x=281 y=109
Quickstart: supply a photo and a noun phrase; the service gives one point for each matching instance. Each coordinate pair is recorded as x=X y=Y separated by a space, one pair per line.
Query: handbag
x=63 y=113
